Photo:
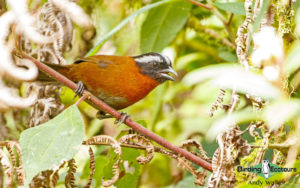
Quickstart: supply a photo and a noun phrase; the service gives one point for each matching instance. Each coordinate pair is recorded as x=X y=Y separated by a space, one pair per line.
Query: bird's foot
x=79 y=90
x=102 y=115
x=122 y=119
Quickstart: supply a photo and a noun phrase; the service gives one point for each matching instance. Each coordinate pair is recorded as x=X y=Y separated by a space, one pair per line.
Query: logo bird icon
x=266 y=168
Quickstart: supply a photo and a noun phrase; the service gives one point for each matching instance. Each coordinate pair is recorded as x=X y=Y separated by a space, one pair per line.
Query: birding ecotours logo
x=265 y=169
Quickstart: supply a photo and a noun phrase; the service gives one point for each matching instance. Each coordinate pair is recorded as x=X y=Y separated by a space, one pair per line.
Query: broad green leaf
x=232 y=76
x=48 y=145
x=95 y=49
x=162 y=25
x=233 y=7
x=280 y=112
x=293 y=59
x=207 y=72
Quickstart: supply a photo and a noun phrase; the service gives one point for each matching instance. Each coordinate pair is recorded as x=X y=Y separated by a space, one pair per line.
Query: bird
x=119 y=81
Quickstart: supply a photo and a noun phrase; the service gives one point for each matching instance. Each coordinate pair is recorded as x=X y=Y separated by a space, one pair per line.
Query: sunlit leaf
x=47 y=145
x=279 y=113
x=162 y=25
x=228 y=121
x=208 y=72
x=293 y=59
x=183 y=61
x=233 y=7
x=232 y=76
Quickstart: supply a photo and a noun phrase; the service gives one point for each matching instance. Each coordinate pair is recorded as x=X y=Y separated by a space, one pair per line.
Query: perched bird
x=119 y=81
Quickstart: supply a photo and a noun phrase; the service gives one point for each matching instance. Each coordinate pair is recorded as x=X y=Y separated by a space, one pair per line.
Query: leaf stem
x=82 y=98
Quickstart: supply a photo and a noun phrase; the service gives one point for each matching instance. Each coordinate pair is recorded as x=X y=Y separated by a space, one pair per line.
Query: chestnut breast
x=116 y=80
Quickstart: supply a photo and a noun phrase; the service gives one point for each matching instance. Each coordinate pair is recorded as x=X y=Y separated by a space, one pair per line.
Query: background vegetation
x=237 y=92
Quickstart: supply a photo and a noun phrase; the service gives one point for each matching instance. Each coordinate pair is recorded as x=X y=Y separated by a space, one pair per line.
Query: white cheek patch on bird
x=147 y=59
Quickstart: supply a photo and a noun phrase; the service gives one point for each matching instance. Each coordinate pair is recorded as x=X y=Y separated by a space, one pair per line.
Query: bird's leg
x=79 y=90
x=123 y=118
x=102 y=115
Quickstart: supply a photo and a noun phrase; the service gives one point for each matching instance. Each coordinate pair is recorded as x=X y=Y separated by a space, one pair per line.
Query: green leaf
x=187 y=182
x=279 y=113
x=48 y=145
x=162 y=24
x=233 y=7
x=142 y=122
x=207 y=72
x=100 y=161
x=233 y=76
x=226 y=122
x=130 y=175
x=293 y=59
x=130 y=179
x=95 y=49
x=228 y=56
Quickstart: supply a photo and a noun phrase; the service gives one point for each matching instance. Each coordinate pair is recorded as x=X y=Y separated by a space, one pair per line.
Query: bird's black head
x=155 y=65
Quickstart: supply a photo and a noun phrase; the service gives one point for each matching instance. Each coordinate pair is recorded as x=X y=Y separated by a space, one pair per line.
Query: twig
x=208 y=7
x=195 y=24
x=84 y=96
x=104 y=107
x=230 y=19
x=220 y=16
x=156 y=149
x=224 y=21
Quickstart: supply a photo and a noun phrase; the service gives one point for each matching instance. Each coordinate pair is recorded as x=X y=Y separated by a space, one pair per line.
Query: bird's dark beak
x=165 y=73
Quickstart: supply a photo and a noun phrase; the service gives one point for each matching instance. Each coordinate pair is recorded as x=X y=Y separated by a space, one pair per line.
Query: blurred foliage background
x=201 y=37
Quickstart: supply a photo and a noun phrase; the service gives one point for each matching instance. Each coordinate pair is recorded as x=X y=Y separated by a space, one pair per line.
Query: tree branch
x=100 y=105
x=156 y=148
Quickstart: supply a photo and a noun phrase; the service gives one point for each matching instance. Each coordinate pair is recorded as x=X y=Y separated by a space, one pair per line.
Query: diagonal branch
x=100 y=105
